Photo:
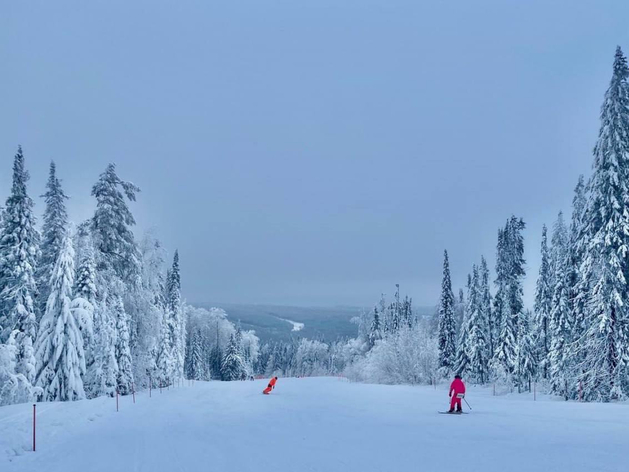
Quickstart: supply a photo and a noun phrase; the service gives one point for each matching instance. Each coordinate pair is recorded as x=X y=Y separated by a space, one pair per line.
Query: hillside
x=317 y=425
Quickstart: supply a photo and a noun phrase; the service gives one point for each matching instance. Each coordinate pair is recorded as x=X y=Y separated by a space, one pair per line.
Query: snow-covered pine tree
x=484 y=306
x=477 y=348
x=124 y=378
x=232 y=367
x=543 y=305
x=196 y=366
x=527 y=364
x=84 y=301
x=175 y=313
x=559 y=328
x=102 y=373
x=53 y=233
x=577 y=243
x=512 y=261
x=447 y=327
x=605 y=267
x=59 y=346
x=375 y=329
x=111 y=226
x=463 y=349
x=19 y=252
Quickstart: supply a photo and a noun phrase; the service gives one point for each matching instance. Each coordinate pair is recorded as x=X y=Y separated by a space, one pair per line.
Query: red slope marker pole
x=34 y=424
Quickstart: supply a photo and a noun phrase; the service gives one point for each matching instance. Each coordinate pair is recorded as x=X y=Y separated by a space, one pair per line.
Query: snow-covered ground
x=296 y=325
x=316 y=424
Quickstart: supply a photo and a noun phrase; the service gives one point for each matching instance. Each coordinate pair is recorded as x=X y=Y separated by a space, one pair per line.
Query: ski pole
x=468 y=405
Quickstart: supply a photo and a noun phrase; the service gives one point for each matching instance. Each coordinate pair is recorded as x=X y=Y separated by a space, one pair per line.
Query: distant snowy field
x=316 y=424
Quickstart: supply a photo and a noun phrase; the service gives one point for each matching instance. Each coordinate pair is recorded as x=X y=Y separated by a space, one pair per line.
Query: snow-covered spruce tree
x=19 y=252
x=111 y=226
x=53 y=233
x=512 y=258
x=447 y=327
x=84 y=301
x=527 y=364
x=175 y=313
x=500 y=282
x=484 y=306
x=59 y=346
x=124 y=378
x=14 y=388
x=146 y=306
x=375 y=329
x=543 y=305
x=102 y=373
x=577 y=243
x=558 y=356
x=477 y=348
x=462 y=351
x=233 y=366
x=196 y=365
x=605 y=267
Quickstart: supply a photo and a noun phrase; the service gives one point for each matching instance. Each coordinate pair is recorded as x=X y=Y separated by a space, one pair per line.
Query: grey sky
x=313 y=152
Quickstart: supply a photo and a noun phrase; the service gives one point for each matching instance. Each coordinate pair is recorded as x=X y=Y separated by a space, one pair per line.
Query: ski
x=453 y=413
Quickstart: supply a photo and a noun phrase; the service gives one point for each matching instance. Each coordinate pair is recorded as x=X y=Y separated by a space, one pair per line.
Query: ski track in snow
x=316 y=424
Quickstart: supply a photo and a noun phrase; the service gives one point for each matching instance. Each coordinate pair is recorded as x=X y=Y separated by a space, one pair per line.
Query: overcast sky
x=313 y=153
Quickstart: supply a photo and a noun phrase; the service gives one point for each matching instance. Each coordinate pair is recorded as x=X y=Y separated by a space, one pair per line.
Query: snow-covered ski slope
x=317 y=424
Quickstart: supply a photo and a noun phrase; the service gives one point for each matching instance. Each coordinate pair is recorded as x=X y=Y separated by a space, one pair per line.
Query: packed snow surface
x=316 y=424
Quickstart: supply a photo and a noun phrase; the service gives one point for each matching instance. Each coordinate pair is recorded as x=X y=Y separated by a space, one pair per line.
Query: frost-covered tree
x=233 y=365
x=577 y=244
x=527 y=364
x=511 y=270
x=53 y=233
x=124 y=378
x=375 y=329
x=476 y=345
x=59 y=346
x=484 y=306
x=447 y=327
x=463 y=349
x=558 y=355
x=19 y=251
x=605 y=266
x=84 y=301
x=543 y=304
x=111 y=226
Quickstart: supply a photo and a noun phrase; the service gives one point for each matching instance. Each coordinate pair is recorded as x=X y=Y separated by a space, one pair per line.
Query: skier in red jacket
x=457 y=392
x=271 y=386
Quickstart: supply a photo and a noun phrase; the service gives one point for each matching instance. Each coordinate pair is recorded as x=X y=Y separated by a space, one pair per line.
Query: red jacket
x=457 y=387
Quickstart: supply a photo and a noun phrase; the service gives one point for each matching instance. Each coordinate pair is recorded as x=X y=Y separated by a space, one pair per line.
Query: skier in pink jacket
x=457 y=391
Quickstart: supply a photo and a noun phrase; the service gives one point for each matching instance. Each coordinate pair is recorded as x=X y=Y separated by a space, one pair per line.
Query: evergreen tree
x=543 y=304
x=486 y=313
x=19 y=251
x=527 y=364
x=605 y=345
x=576 y=248
x=477 y=346
x=447 y=327
x=124 y=378
x=59 y=347
x=111 y=226
x=233 y=366
x=511 y=291
x=54 y=232
x=463 y=348
x=375 y=330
